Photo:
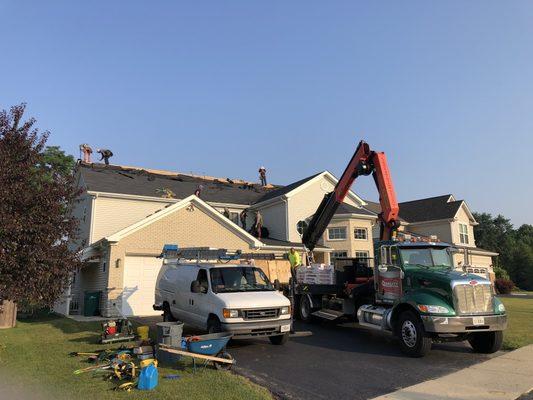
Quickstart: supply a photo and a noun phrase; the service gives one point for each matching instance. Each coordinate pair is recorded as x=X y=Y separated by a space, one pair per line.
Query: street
x=339 y=362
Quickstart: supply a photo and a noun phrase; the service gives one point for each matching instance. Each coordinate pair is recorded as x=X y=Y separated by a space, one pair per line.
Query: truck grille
x=263 y=313
x=473 y=299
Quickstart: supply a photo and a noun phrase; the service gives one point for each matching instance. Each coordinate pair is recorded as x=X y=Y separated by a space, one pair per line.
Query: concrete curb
x=502 y=378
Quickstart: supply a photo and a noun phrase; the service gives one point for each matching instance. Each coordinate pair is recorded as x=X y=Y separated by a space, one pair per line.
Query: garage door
x=140 y=275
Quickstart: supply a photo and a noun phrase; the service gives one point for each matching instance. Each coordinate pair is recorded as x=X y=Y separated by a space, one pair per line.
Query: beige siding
x=304 y=203
x=462 y=218
x=183 y=227
x=113 y=214
x=351 y=245
x=441 y=229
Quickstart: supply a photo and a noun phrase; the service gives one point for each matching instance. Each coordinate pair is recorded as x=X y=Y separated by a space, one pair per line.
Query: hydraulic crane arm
x=363 y=162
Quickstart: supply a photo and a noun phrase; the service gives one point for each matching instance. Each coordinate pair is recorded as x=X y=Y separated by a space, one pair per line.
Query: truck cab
x=421 y=298
x=216 y=297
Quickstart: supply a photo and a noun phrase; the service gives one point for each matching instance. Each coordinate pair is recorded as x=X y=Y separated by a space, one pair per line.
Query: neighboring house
x=127 y=214
x=451 y=221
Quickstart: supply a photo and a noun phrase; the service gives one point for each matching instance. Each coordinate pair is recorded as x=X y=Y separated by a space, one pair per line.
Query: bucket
x=169 y=333
x=142 y=332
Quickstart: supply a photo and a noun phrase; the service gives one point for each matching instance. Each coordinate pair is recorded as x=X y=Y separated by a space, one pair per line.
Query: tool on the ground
x=118 y=330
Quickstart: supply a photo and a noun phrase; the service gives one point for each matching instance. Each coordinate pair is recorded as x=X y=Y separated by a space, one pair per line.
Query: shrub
x=504 y=286
x=501 y=273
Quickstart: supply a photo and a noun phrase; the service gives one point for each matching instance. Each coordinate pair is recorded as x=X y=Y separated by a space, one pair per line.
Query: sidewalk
x=502 y=378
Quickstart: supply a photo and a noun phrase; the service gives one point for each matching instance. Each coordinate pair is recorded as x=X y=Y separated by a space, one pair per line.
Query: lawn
x=520 y=329
x=36 y=355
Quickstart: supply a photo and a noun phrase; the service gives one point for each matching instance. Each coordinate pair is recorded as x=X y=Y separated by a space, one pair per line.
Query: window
x=463 y=233
x=364 y=255
x=301 y=227
x=360 y=233
x=338 y=254
x=338 y=233
x=202 y=279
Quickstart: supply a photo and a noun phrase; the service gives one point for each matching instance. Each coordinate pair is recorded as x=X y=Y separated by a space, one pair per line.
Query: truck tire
x=486 y=342
x=304 y=308
x=279 y=339
x=413 y=339
x=214 y=325
x=167 y=315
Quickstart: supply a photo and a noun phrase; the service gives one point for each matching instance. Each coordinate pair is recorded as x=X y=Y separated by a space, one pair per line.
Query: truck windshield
x=239 y=279
x=426 y=257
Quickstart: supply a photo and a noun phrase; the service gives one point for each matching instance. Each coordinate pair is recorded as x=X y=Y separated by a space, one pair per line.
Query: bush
x=504 y=286
x=501 y=273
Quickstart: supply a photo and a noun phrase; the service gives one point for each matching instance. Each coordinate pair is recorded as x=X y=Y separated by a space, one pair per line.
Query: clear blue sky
x=222 y=87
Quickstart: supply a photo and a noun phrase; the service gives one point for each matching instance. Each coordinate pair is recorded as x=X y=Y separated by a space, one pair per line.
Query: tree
x=37 y=193
x=56 y=161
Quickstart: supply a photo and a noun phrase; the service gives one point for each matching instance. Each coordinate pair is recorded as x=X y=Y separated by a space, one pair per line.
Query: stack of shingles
x=316 y=274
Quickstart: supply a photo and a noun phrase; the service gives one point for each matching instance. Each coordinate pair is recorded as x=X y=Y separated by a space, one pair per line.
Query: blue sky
x=222 y=87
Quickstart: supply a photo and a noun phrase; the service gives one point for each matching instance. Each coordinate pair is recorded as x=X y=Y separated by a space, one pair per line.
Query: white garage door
x=140 y=275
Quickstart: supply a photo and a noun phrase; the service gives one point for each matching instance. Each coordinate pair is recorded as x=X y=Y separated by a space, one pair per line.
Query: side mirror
x=277 y=285
x=382 y=268
x=195 y=287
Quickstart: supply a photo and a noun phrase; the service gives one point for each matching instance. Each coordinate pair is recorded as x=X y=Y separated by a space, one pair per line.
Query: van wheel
x=486 y=342
x=214 y=325
x=304 y=308
x=413 y=339
x=167 y=315
x=279 y=339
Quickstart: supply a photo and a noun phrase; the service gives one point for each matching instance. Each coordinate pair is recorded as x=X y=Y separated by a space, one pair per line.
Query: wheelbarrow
x=208 y=348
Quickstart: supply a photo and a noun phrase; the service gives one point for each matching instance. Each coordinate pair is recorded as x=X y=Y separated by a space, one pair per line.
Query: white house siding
x=462 y=218
x=304 y=203
x=113 y=214
x=274 y=217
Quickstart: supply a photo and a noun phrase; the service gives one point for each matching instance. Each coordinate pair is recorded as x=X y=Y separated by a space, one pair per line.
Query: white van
x=223 y=298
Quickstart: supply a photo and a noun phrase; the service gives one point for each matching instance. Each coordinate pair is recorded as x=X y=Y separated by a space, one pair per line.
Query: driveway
x=341 y=362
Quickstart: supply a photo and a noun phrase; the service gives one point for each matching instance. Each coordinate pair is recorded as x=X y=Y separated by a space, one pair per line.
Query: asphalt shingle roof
x=285 y=189
x=114 y=179
x=346 y=208
x=430 y=209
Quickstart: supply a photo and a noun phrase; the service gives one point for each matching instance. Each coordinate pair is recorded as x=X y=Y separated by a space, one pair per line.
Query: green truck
x=413 y=291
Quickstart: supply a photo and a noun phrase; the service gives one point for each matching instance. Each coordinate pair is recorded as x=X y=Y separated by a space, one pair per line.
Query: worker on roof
x=86 y=152
x=258 y=224
x=262 y=176
x=198 y=190
x=106 y=155
x=242 y=217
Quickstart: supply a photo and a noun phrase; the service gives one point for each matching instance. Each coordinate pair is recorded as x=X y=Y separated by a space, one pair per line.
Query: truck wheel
x=214 y=325
x=486 y=342
x=167 y=315
x=279 y=339
x=413 y=339
x=304 y=308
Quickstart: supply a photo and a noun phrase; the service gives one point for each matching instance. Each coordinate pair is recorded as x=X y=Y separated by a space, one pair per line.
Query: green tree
x=36 y=223
x=55 y=161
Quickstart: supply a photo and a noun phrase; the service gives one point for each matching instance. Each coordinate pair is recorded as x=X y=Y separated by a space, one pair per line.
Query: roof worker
x=198 y=190
x=242 y=217
x=86 y=152
x=106 y=154
x=262 y=176
x=258 y=224
x=226 y=212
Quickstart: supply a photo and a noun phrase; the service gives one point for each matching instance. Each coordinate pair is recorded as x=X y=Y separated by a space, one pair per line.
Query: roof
x=141 y=182
x=429 y=209
x=346 y=208
x=285 y=189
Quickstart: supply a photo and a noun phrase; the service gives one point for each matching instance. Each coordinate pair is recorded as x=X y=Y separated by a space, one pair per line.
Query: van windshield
x=239 y=279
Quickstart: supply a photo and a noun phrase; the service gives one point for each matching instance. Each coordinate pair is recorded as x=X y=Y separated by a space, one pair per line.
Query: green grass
x=35 y=355
x=520 y=323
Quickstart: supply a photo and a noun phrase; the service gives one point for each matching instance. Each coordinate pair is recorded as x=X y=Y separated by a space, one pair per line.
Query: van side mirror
x=277 y=285
x=195 y=287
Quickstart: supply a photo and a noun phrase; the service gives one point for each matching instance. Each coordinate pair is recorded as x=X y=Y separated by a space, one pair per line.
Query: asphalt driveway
x=341 y=362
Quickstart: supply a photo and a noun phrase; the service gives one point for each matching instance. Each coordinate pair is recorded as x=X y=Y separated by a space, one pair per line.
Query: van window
x=202 y=278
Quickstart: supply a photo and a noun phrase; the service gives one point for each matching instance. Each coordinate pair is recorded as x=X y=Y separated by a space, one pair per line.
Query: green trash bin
x=91 y=304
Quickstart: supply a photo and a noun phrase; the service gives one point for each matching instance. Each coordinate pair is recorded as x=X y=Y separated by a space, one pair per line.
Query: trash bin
x=169 y=333
x=91 y=304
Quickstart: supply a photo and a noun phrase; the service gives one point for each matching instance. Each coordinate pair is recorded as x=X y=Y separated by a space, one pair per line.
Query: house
x=451 y=221
x=127 y=214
